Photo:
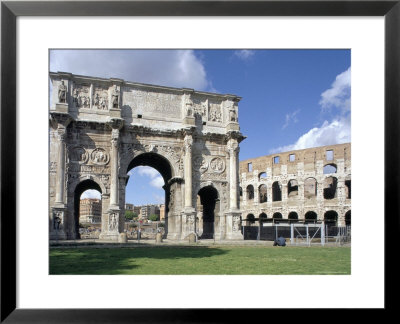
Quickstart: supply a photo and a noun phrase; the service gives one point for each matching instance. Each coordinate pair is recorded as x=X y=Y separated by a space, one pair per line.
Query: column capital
x=59 y=119
x=234 y=135
x=116 y=123
x=61 y=134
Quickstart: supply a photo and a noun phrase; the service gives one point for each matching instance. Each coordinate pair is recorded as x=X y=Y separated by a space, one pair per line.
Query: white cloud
x=157 y=182
x=291 y=117
x=146 y=170
x=91 y=193
x=155 y=178
x=244 y=54
x=335 y=132
x=339 y=95
x=176 y=68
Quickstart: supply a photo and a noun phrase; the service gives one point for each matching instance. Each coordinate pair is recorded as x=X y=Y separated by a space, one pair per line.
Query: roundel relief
x=201 y=164
x=79 y=154
x=217 y=164
x=99 y=156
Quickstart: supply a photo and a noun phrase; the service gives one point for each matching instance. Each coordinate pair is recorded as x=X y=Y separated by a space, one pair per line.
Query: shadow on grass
x=121 y=260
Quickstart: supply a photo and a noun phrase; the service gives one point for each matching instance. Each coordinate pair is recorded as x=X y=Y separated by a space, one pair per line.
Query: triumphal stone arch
x=102 y=128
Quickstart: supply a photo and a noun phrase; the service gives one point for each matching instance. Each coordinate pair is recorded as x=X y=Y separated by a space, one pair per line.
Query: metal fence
x=299 y=233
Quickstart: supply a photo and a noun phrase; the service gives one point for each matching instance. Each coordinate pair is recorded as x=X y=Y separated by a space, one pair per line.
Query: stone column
x=59 y=216
x=114 y=220
x=232 y=219
x=233 y=149
x=189 y=213
x=61 y=134
x=114 y=169
x=188 y=141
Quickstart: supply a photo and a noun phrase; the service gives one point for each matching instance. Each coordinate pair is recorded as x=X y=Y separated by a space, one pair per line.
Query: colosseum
x=309 y=185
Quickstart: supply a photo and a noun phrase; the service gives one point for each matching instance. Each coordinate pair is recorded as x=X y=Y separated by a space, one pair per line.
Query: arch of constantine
x=100 y=129
x=310 y=184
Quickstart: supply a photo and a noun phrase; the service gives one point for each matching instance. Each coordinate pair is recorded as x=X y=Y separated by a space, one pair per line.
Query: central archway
x=210 y=206
x=162 y=165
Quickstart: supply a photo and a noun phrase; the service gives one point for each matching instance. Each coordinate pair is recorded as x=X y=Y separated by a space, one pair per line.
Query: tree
x=130 y=215
x=153 y=217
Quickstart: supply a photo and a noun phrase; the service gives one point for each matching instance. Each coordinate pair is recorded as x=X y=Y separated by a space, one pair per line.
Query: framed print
x=30 y=294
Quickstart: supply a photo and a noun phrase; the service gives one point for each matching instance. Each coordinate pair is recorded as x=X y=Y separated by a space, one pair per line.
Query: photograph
x=199 y=153
x=199 y=161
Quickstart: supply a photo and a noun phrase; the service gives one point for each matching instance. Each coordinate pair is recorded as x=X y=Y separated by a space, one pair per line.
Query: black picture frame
x=10 y=10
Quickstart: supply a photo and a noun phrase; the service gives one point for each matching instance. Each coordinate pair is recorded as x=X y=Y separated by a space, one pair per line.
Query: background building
x=162 y=212
x=90 y=211
x=147 y=210
x=310 y=184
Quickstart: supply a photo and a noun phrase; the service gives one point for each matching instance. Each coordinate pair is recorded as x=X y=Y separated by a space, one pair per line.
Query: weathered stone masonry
x=102 y=128
x=304 y=184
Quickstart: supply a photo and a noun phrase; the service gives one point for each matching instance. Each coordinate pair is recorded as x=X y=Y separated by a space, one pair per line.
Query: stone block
x=159 y=238
x=192 y=238
x=122 y=238
x=62 y=108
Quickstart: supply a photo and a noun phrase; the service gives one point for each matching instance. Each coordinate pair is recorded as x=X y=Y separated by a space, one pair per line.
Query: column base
x=57 y=226
x=188 y=222
x=233 y=225
x=174 y=236
x=61 y=235
x=109 y=236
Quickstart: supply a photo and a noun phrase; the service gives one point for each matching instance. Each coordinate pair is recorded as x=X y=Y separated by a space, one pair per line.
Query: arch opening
x=330 y=168
x=330 y=185
x=331 y=217
x=262 y=217
x=347 y=218
x=209 y=205
x=262 y=192
x=277 y=215
x=310 y=216
x=262 y=176
x=250 y=192
x=347 y=184
x=250 y=219
x=293 y=216
x=293 y=188
x=276 y=191
x=149 y=192
x=87 y=211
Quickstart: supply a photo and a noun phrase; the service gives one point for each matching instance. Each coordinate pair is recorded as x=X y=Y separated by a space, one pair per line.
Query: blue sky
x=291 y=99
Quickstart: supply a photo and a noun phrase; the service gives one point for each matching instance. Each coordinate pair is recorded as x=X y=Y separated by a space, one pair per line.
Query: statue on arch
x=62 y=92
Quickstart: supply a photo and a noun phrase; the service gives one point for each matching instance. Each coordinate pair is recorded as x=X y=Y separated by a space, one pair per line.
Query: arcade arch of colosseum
x=309 y=184
x=102 y=128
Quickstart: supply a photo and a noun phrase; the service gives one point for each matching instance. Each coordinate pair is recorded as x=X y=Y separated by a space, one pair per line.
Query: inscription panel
x=157 y=104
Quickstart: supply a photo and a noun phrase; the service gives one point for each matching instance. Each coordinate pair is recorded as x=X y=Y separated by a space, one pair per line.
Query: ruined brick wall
x=302 y=184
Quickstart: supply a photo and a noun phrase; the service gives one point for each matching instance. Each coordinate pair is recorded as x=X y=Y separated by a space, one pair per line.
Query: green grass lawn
x=199 y=260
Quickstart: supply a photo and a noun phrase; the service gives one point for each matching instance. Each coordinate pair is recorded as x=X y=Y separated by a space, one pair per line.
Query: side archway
x=78 y=190
x=210 y=206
